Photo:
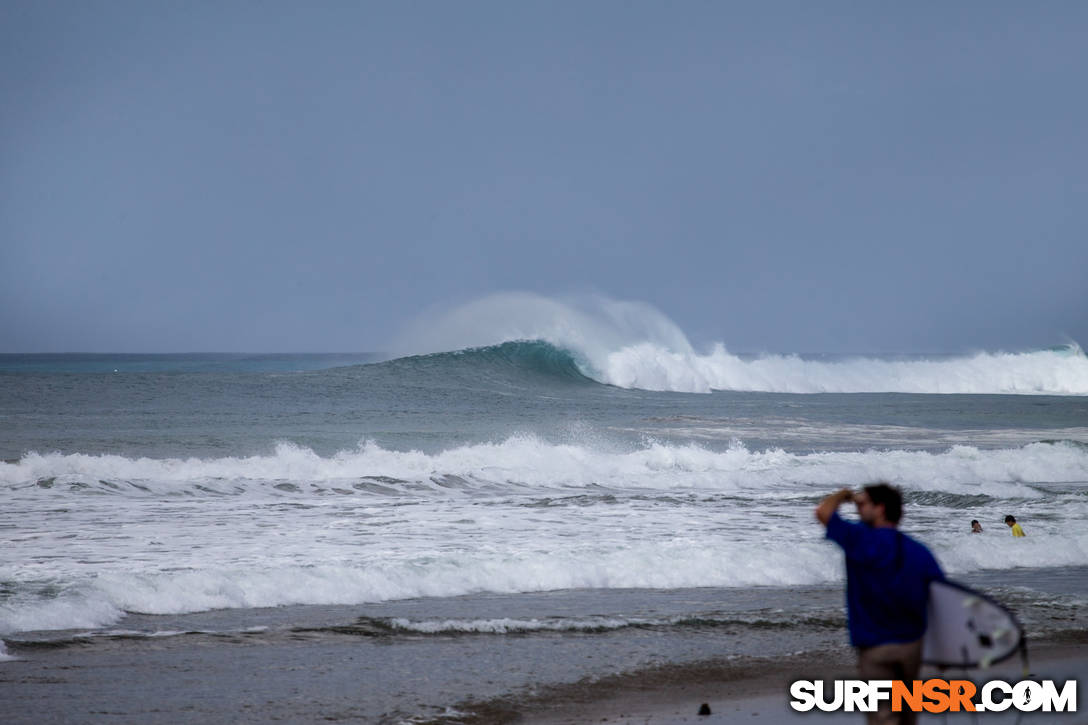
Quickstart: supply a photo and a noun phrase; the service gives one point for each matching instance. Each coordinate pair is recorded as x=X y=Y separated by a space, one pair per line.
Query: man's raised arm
x=831 y=504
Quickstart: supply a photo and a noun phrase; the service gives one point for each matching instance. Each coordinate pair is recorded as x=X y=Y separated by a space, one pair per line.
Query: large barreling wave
x=633 y=345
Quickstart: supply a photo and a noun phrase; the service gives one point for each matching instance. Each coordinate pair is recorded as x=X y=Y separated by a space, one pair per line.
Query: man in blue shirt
x=887 y=586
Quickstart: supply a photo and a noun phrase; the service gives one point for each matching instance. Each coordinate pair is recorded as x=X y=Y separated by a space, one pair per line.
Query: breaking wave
x=712 y=561
x=527 y=464
x=108 y=535
x=632 y=345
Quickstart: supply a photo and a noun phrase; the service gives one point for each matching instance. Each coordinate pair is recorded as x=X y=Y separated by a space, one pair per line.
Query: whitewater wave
x=1046 y=372
x=105 y=599
x=525 y=463
x=101 y=535
x=695 y=562
x=632 y=345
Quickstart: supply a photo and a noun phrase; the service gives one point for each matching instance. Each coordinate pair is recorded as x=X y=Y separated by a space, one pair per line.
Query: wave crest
x=633 y=345
x=519 y=358
x=1046 y=372
x=530 y=465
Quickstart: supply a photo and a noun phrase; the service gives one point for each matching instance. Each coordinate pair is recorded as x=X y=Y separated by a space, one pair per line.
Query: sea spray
x=633 y=345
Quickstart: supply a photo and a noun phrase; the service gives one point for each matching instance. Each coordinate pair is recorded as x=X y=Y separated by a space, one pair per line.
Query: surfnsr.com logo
x=934 y=695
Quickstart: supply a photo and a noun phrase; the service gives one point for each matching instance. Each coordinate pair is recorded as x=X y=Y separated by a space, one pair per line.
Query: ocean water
x=638 y=505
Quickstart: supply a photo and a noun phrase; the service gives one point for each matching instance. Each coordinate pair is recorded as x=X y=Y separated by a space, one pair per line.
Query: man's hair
x=1010 y=519
x=974 y=521
x=882 y=493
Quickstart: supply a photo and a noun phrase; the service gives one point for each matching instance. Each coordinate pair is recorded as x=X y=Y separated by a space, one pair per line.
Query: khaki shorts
x=896 y=661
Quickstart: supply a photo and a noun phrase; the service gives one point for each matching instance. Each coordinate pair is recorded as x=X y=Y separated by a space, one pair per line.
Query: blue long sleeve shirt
x=887 y=582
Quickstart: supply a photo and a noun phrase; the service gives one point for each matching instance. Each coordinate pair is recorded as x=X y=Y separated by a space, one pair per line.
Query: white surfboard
x=967 y=629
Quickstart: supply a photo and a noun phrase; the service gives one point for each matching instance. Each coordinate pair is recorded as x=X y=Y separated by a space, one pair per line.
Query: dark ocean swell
x=528 y=359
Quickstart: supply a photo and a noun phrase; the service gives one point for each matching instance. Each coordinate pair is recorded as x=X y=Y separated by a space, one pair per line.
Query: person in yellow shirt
x=1010 y=521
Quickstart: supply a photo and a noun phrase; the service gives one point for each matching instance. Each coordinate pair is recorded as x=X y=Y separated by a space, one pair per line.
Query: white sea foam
x=525 y=462
x=4 y=656
x=710 y=560
x=633 y=345
x=71 y=610
x=101 y=600
x=652 y=367
x=169 y=536
x=505 y=625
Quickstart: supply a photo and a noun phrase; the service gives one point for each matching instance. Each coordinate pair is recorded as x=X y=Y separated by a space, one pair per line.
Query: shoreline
x=756 y=692
x=300 y=679
x=660 y=694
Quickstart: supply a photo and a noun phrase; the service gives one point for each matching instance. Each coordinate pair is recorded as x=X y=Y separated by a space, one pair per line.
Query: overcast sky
x=777 y=176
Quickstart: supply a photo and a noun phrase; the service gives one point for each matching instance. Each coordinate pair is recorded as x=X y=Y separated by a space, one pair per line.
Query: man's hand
x=830 y=504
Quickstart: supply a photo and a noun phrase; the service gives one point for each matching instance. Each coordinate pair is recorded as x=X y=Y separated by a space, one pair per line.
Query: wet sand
x=313 y=663
x=762 y=697
x=307 y=682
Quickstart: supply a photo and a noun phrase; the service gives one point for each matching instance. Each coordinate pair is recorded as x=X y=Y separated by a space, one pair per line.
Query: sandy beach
x=305 y=682
x=762 y=697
